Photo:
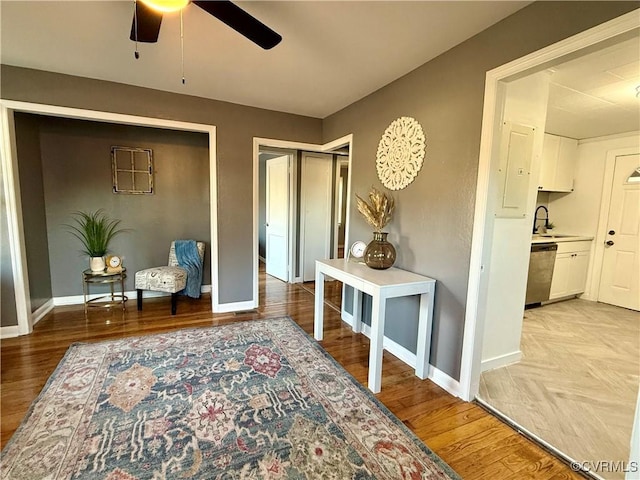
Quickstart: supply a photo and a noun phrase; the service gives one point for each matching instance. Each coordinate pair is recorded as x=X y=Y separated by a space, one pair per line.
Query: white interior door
x=316 y=211
x=277 y=217
x=621 y=262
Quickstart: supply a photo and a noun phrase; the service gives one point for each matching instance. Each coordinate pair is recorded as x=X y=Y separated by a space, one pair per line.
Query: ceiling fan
x=148 y=17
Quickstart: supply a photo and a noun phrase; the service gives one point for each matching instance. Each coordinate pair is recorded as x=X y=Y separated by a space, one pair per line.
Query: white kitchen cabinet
x=558 y=163
x=570 y=270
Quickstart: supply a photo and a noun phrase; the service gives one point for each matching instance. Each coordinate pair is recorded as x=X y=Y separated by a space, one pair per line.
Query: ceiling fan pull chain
x=182 y=46
x=135 y=26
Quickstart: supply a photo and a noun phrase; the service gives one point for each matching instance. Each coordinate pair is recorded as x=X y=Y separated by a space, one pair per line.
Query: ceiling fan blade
x=148 y=21
x=241 y=21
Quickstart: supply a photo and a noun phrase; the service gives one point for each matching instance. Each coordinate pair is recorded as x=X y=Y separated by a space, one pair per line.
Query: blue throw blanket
x=189 y=259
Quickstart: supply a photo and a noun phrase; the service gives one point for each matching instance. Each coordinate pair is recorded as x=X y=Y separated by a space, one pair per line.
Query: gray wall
x=236 y=127
x=76 y=163
x=33 y=209
x=433 y=222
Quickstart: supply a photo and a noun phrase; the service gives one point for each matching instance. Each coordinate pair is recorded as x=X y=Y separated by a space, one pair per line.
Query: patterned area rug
x=250 y=400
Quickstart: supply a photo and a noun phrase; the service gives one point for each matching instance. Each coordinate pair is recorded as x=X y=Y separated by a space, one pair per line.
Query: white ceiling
x=332 y=54
x=595 y=95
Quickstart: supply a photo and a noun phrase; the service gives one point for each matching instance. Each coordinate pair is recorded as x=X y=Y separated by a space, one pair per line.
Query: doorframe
x=260 y=143
x=9 y=160
x=340 y=162
x=470 y=367
x=605 y=203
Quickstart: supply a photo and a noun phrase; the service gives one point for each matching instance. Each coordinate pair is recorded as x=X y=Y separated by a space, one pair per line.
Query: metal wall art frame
x=132 y=170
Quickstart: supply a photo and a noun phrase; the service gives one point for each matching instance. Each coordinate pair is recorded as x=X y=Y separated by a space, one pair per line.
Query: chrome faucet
x=546 y=219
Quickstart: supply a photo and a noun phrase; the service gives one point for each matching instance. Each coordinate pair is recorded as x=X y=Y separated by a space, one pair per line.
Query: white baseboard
x=500 y=361
x=131 y=295
x=41 y=311
x=234 y=307
x=9 y=332
x=450 y=384
x=436 y=375
x=346 y=317
x=36 y=316
x=393 y=348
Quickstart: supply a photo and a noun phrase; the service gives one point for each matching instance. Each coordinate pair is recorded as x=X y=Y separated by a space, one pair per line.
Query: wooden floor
x=471 y=441
x=577 y=384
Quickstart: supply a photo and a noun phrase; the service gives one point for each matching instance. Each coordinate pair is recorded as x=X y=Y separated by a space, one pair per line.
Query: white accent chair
x=169 y=279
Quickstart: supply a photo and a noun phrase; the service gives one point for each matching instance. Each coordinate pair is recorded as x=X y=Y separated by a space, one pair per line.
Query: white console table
x=381 y=285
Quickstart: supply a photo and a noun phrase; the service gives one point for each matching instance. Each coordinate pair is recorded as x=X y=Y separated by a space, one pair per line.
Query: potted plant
x=95 y=230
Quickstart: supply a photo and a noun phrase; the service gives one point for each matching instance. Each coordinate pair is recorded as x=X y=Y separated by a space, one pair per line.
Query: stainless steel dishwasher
x=541 y=263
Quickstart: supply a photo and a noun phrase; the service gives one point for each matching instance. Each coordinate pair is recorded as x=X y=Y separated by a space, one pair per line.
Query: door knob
x=612 y=232
x=610 y=242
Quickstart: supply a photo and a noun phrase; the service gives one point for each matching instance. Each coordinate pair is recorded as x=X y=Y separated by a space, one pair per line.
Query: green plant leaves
x=94 y=230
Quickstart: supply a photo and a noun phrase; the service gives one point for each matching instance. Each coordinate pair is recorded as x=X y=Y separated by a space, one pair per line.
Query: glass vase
x=379 y=254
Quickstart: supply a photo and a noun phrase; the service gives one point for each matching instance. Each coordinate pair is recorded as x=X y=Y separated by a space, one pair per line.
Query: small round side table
x=90 y=277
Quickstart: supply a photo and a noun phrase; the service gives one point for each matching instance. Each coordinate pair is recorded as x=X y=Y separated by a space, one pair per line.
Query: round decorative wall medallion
x=400 y=153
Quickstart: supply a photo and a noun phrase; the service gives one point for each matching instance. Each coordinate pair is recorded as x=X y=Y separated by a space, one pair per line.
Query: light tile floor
x=577 y=384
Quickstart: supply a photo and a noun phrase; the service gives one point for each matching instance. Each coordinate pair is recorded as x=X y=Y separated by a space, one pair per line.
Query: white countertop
x=558 y=237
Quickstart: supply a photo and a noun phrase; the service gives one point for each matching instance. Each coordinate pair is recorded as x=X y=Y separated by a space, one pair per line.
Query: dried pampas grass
x=377 y=213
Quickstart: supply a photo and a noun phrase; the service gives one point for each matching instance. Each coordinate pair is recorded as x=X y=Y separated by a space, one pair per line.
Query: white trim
x=266 y=143
x=473 y=325
x=436 y=375
x=347 y=220
x=344 y=315
x=41 y=311
x=213 y=212
x=130 y=294
x=604 y=138
x=9 y=169
x=444 y=380
x=12 y=187
x=603 y=219
x=340 y=162
x=501 y=360
x=393 y=347
x=236 y=306
x=256 y=221
x=9 y=332
x=292 y=228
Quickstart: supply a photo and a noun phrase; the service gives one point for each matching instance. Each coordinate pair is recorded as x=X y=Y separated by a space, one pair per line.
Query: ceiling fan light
x=166 y=6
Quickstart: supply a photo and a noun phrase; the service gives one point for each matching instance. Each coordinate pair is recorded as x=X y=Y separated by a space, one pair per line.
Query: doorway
x=624 y=26
x=619 y=282
x=276 y=222
x=14 y=214
x=304 y=191
x=342 y=176
x=484 y=278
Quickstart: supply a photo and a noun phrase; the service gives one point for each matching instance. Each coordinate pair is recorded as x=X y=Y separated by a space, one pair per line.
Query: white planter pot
x=97 y=264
